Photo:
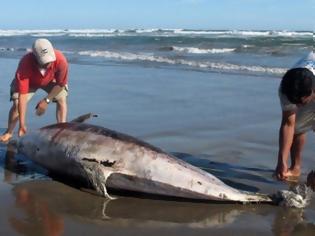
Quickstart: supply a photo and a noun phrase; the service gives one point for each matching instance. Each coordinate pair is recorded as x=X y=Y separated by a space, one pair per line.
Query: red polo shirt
x=28 y=75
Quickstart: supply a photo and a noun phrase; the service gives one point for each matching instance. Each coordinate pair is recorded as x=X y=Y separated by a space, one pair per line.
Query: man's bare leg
x=299 y=141
x=61 y=110
x=12 y=121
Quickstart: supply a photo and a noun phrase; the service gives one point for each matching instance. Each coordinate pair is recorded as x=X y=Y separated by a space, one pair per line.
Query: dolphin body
x=109 y=159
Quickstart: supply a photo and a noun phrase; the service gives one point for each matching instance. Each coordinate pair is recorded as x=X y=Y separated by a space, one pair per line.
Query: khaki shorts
x=63 y=93
x=305 y=118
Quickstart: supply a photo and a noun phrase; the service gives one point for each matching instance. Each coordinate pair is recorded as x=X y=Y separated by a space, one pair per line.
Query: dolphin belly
x=142 y=185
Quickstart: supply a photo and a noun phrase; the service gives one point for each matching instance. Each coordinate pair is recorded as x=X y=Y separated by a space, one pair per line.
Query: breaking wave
x=153 y=32
x=126 y=56
x=203 y=51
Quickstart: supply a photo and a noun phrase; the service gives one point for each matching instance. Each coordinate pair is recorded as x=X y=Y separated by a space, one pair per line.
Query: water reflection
x=46 y=203
x=50 y=198
x=38 y=218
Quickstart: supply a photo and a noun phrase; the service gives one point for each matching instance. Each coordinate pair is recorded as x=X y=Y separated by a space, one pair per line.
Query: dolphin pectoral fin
x=99 y=182
x=97 y=177
x=83 y=118
x=106 y=174
x=105 y=193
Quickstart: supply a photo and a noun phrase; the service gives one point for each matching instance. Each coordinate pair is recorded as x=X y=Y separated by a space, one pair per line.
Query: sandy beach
x=225 y=123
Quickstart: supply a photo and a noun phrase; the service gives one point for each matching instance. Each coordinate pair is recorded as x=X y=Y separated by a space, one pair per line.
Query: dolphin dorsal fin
x=83 y=118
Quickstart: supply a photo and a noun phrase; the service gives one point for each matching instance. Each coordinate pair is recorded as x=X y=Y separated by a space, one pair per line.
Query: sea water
x=267 y=53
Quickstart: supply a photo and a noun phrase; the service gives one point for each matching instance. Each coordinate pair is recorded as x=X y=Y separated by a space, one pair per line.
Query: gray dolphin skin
x=109 y=159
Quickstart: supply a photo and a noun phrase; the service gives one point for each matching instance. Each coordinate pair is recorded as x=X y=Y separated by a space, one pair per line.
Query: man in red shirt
x=45 y=68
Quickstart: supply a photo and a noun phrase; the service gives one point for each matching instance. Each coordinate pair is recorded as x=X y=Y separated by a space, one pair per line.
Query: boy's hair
x=296 y=84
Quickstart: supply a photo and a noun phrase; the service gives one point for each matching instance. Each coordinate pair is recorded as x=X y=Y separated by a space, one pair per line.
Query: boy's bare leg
x=12 y=121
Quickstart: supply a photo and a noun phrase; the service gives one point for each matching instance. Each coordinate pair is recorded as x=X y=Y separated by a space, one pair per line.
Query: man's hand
x=22 y=131
x=41 y=107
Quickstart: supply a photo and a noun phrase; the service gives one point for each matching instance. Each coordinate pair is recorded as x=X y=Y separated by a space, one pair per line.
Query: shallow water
x=225 y=124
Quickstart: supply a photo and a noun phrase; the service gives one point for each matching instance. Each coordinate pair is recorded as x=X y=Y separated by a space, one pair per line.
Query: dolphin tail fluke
x=83 y=118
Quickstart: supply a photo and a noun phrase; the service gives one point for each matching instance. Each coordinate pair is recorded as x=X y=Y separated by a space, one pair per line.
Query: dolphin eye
x=37 y=149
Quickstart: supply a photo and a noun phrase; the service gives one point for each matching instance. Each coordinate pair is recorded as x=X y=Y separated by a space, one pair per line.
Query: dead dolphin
x=109 y=159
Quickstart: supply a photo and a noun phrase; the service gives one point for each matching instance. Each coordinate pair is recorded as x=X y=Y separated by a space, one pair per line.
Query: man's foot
x=292 y=175
x=281 y=172
x=293 y=172
x=5 y=137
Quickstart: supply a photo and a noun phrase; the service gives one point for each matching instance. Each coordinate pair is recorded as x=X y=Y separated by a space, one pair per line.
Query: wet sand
x=226 y=124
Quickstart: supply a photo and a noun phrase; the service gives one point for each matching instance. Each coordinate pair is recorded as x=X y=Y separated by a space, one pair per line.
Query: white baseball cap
x=44 y=51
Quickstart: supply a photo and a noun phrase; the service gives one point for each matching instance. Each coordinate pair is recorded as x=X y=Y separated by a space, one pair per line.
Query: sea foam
x=127 y=56
x=152 y=32
x=203 y=51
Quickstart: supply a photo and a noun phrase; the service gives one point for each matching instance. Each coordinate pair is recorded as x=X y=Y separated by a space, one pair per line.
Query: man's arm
x=286 y=134
x=42 y=105
x=54 y=92
x=22 y=111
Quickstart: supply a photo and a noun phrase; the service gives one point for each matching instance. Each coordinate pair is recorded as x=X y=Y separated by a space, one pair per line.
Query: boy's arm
x=286 y=134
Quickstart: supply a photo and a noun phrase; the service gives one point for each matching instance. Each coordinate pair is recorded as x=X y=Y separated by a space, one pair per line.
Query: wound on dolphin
x=108 y=163
x=90 y=160
x=104 y=163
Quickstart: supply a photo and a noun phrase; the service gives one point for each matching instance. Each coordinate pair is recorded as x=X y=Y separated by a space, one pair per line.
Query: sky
x=147 y=14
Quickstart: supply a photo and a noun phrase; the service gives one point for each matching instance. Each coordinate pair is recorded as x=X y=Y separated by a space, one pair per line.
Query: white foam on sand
x=298 y=197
